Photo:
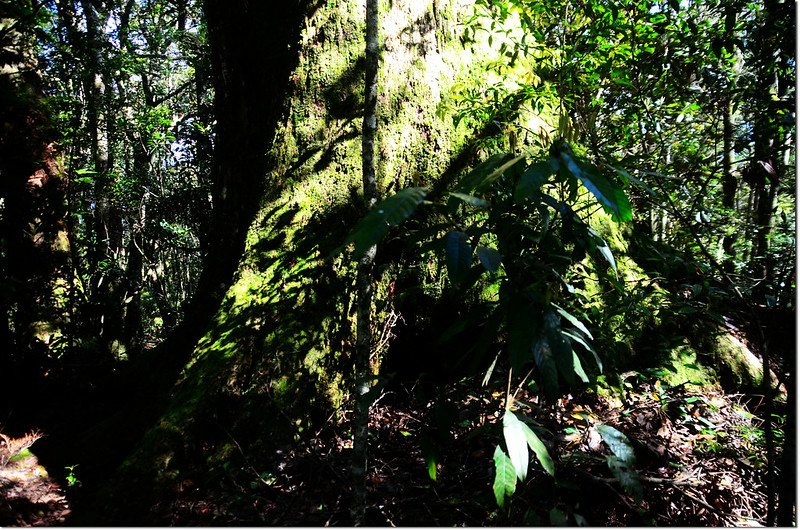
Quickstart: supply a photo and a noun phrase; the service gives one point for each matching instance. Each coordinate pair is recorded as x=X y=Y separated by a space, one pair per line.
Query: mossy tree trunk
x=279 y=350
x=253 y=48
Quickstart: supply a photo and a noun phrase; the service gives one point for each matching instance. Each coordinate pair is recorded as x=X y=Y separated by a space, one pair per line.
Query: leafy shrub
x=510 y=228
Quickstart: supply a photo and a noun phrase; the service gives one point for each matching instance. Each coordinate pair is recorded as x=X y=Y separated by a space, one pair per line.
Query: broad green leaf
x=474 y=178
x=497 y=173
x=384 y=215
x=574 y=337
x=574 y=321
x=576 y=365
x=489 y=258
x=606 y=252
x=560 y=347
x=459 y=256
x=487 y=172
x=562 y=355
x=505 y=479
x=514 y=434
x=611 y=196
x=533 y=178
x=539 y=450
x=621 y=464
x=470 y=199
x=601 y=245
x=618 y=443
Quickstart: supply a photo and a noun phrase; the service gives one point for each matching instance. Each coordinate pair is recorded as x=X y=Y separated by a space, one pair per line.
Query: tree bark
x=729 y=181
x=253 y=50
x=364 y=275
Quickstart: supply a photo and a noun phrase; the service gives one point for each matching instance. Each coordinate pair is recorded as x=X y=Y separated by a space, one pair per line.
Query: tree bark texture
x=318 y=151
x=364 y=274
x=729 y=181
x=254 y=47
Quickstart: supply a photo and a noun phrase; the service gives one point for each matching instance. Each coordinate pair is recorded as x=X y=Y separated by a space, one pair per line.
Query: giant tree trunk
x=253 y=49
x=273 y=359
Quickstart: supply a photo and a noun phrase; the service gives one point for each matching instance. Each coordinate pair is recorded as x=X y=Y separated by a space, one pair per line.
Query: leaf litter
x=698 y=457
x=28 y=495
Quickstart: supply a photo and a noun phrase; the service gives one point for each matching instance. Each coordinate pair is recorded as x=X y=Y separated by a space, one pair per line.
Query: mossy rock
x=685 y=367
x=740 y=369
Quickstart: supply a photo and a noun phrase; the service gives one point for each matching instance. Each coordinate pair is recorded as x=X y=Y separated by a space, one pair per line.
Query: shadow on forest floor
x=692 y=474
x=28 y=496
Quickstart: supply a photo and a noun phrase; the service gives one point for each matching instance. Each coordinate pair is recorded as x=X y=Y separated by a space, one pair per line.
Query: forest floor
x=29 y=496
x=699 y=456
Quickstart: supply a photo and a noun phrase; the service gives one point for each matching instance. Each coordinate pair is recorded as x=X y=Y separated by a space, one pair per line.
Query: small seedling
x=72 y=477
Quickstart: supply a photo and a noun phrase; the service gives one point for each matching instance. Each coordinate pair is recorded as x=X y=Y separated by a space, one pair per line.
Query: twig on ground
x=707 y=506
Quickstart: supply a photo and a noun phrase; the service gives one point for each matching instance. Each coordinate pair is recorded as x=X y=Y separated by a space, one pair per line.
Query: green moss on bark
x=275 y=360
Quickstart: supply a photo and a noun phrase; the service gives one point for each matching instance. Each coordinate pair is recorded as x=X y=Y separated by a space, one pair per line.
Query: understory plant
x=513 y=228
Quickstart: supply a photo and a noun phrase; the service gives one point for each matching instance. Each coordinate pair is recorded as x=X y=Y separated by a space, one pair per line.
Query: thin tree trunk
x=364 y=276
x=107 y=219
x=132 y=312
x=729 y=182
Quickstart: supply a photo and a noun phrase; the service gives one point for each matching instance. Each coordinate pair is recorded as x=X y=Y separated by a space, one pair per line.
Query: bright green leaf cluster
x=514 y=466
